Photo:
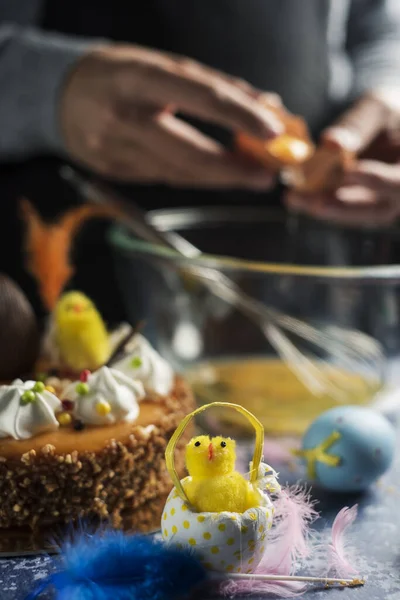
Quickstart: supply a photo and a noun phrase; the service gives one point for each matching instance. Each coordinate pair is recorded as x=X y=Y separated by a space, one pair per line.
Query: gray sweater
x=360 y=37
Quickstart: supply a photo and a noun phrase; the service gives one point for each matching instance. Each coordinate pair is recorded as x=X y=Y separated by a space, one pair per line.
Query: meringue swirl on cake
x=107 y=397
x=27 y=409
x=143 y=363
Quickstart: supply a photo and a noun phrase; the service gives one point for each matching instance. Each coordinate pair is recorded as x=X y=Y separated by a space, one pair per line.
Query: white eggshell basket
x=225 y=541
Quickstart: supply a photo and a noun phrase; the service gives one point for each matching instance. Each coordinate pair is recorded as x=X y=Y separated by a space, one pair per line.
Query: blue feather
x=114 y=566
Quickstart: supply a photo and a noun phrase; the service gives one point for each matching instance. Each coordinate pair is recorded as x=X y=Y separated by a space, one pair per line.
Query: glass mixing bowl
x=322 y=275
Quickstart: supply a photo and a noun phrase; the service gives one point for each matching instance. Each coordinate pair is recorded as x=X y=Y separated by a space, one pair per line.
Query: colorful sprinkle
x=39 y=387
x=79 y=425
x=186 y=524
x=67 y=404
x=28 y=397
x=64 y=419
x=82 y=388
x=84 y=375
x=103 y=408
x=136 y=362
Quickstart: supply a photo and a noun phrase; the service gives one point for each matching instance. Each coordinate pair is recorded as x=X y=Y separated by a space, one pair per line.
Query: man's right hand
x=118 y=118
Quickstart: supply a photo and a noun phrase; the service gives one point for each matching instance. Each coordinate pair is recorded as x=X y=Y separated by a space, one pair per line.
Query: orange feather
x=48 y=246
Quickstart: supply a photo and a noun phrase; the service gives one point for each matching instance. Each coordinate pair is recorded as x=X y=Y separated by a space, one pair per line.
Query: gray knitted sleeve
x=374 y=44
x=33 y=68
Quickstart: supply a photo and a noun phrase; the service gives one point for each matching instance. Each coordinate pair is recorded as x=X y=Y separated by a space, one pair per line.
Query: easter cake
x=89 y=443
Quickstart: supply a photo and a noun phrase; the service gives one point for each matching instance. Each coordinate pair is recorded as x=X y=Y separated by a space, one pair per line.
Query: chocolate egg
x=347 y=448
x=19 y=338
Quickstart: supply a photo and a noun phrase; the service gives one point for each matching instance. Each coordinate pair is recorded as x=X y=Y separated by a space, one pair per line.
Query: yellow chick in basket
x=214 y=485
x=80 y=333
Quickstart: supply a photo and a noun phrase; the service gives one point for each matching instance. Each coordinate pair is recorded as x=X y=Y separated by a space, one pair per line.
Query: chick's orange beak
x=78 y=308
x=210 y=451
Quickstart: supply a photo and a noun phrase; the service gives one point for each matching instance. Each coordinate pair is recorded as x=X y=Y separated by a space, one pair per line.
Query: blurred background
x=327 y=262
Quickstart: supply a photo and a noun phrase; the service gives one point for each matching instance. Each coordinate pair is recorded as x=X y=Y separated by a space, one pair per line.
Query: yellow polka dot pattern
x=227 y=542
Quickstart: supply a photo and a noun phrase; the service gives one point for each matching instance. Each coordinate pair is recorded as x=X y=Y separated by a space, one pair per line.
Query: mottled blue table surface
x=374 y=540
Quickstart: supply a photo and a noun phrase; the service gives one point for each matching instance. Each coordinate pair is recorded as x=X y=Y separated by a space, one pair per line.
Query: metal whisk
x=321 y=377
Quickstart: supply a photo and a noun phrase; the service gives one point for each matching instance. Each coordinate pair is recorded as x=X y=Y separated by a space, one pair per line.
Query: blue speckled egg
x=347 y=448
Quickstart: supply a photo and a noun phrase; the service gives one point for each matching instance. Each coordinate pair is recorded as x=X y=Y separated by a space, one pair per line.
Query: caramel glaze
x=90 y=439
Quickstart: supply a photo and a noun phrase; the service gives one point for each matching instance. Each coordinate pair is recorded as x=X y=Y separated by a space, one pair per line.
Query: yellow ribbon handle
x=170 y=450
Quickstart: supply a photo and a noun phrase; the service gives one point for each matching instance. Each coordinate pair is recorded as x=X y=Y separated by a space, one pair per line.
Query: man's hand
x=118 y=117
x=369 y=193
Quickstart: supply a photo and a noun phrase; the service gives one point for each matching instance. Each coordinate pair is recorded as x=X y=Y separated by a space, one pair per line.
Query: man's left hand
x=369 y=193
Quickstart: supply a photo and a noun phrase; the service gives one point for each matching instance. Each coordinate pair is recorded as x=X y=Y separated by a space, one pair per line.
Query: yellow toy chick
x=80 y=333
x=214 y=485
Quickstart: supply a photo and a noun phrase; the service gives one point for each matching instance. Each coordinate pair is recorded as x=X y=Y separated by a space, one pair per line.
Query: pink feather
x=289 y=539
x=287 y=542
x=338 y=563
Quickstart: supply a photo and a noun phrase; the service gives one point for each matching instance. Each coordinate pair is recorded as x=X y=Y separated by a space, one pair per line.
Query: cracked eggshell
x=226 y=541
